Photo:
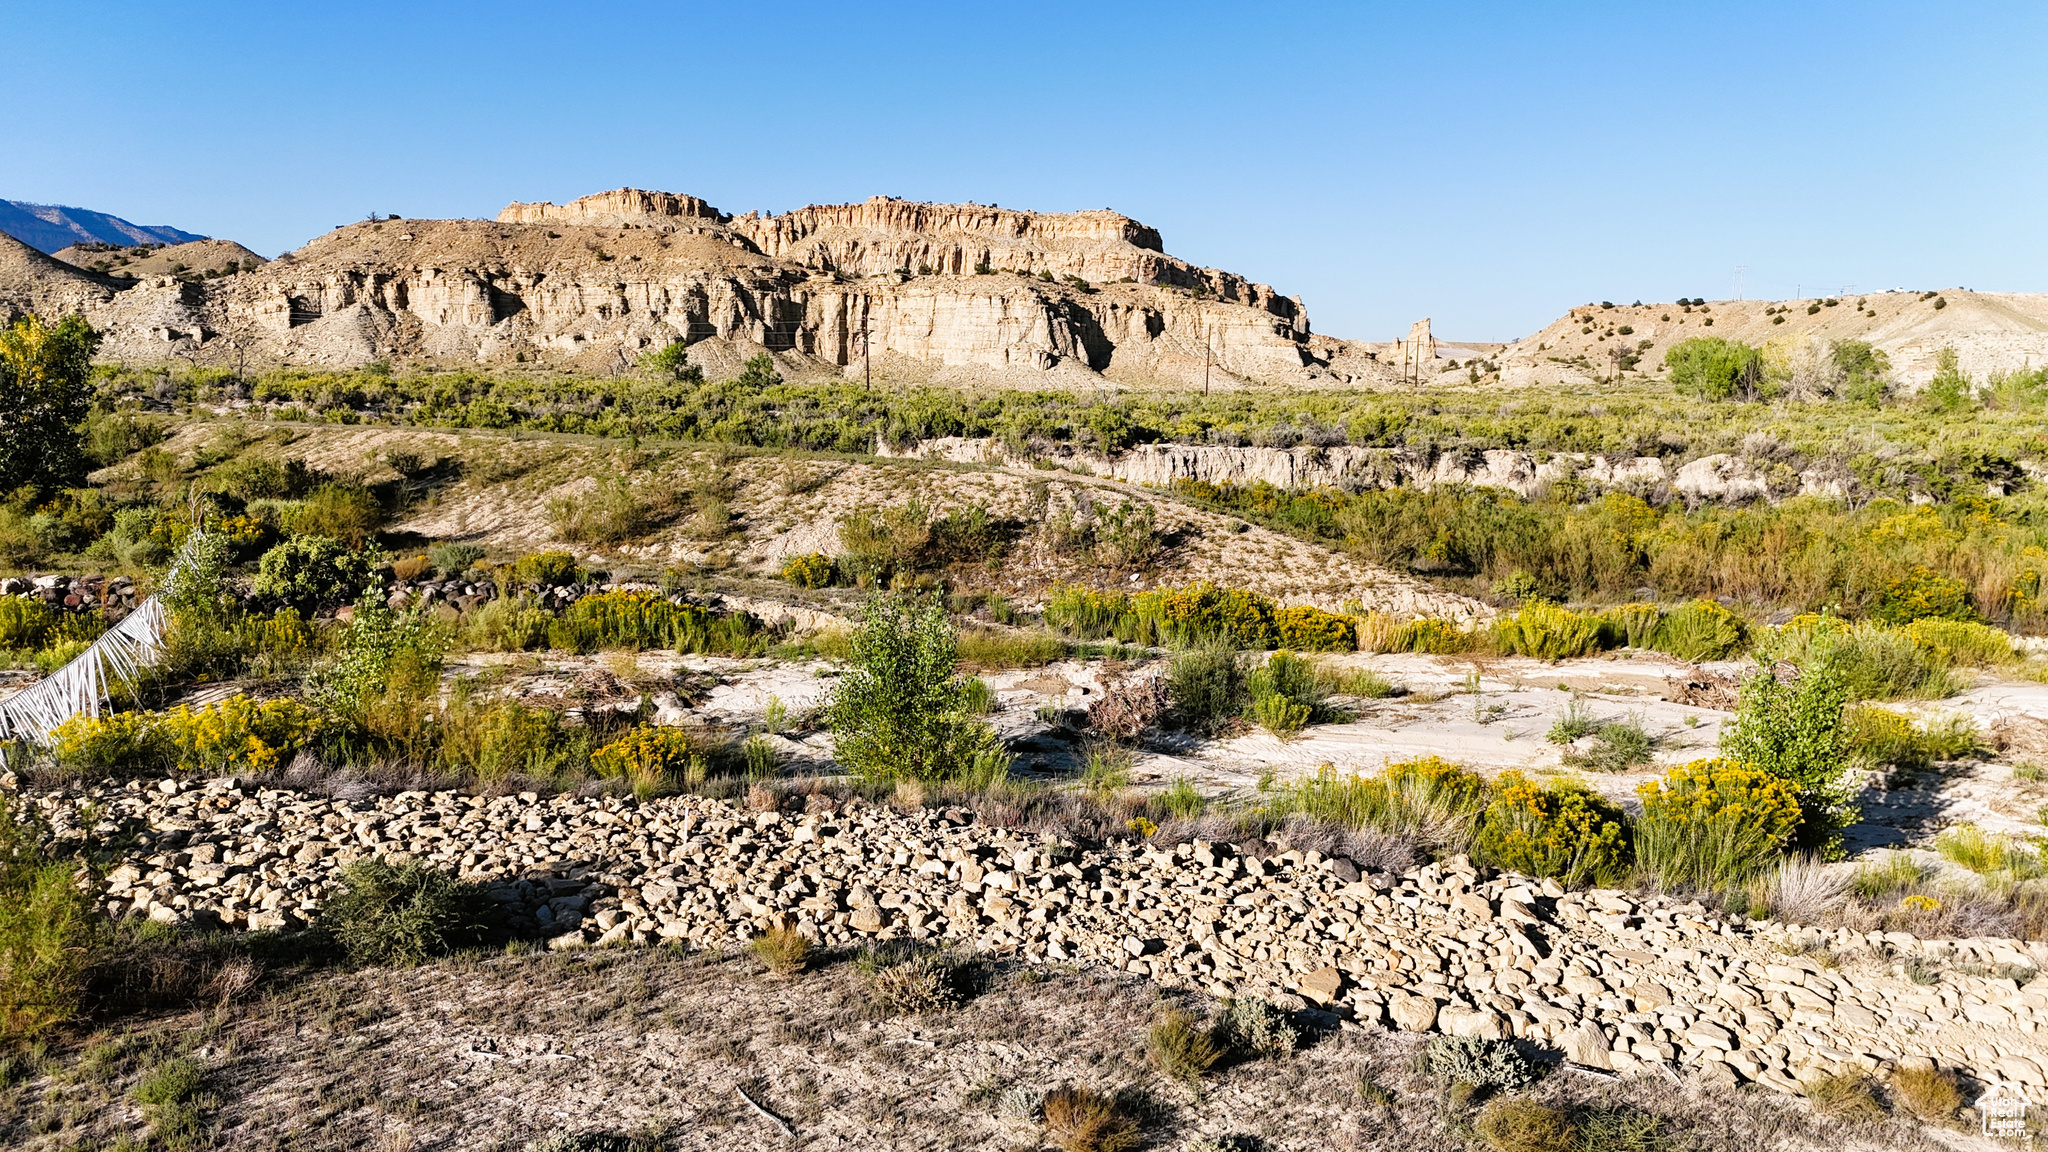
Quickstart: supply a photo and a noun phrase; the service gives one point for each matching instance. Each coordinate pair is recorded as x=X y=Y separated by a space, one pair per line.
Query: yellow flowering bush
x=1430 y=636
x=1202 y=613
x=648 y=756
x=1961 y=643
x=811 y=570
x=236 y=735
x=1563 y=831
x=1701 y=630
x=1547 y=632
x=1306 y=628
x=1712 y=823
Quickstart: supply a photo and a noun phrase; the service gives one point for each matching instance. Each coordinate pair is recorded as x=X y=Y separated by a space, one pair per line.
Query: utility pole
x=1739 y=268
x=1207 y=356
x=867 y=362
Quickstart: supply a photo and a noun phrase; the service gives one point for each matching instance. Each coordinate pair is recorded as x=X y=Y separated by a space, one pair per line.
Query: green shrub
x=453 y=559
x=1126 y=536
x=47 y=930
x=1716 y=369
x=507 y=624
x=1430 y=636
x=1630 y=625
x=1618 y=746
x=1495 y=1065
x=345 y=512
x=1987 y=853
x=811 y=570
x=1547 y=632
x=1701 y=630
x=880 y=542
x=1085 y=613
x=1961 y=643
x=641 y=620
x=901 y=710
x=607 y=514
x=1713 y=823
x=311 y=573
x=1878 y=737
x=1278 y=715
x=1203 y=614
x=1794 y=732
x=1563 y=831
x=1874 y=662
x=1575 y=721
x=1256 y=1028
x=1289 y=677
x=403 y=914
x=1206 y=688
x=487 y=740
x=999 y=648
x=25 y=622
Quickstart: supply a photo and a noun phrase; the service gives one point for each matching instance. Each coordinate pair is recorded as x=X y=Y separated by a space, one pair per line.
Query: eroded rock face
x=1062 y=298
x=1606 y=978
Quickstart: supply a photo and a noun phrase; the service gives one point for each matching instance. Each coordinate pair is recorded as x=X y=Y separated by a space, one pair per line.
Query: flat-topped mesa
x=619 y=207
x=889 y=214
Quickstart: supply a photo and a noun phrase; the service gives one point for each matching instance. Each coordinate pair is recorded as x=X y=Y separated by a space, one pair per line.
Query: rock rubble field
x=1611 y=980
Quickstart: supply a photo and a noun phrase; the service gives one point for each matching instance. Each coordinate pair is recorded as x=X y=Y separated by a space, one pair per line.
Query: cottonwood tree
x=45 y=374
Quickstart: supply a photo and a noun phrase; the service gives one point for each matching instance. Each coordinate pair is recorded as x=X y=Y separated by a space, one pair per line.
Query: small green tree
x=314 y=572
x=759 y=374
x=673 y=361
x=1716 y=369
x=1950 y=389
x=1866 y=372
x=903 y=710
x=44 y=398
x=1792 y=729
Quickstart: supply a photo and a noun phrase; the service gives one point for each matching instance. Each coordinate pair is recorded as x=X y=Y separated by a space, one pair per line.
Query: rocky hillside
x=202 y=258
x=948 y=293
x=1990 y=331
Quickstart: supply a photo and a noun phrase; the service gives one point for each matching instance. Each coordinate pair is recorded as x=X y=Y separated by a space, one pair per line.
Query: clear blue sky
x=1488 y=165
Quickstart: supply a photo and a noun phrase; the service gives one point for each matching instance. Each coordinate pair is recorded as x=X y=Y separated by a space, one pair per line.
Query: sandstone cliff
x=960 y=294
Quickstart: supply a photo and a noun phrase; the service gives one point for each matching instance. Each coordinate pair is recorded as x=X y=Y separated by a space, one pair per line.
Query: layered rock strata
x=1610 y=980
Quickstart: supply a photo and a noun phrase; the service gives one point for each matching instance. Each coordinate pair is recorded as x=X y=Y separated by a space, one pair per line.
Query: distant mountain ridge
x=49 y=227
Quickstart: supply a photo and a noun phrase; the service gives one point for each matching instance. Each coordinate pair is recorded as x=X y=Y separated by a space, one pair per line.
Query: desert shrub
x=171 y=1098
x=1713 y=823
x=1577 y=720
x=1872 y=661
x=1430 y=636
x=1206 y=688
x=25 y=622
x=1961 y=643
x=1203 y=614
x=1701 y=630
x=910 y=981
x=1519 y=1124
x=1085 y=613
x=811 y=570
x=1617 y=746
x=901 y=710
x=379 y=684
x=453 y=559
x=311 y=573
x=1794 y=732
x=1306 y=628
x=140 y=537
x=649 y=757
x=1256 y=1028
x=249 y=478
x=1495 y=1065
x=1928 y=1093
x=47 y=930
x=878 y=542
x=403 y=914
x=1278 y=714
x=1126 y=536
x=1565 y=831
x=1630 y=625
x=487 y=739
x=345 y=512
x=640 y=620
x=785 y=951
x=1128 y=707
x=1083 y=1120
x=411 y=568
x=996 y=648
x=1289 y=677
x=1182 y=1046
x=1336 y=680
x=511 y=624
x=1846 y=1097
x=1547 y=632
x=1923 y=594
x=550 y=569
x=1879 y=737
x=1429 y=800
x=606 y=515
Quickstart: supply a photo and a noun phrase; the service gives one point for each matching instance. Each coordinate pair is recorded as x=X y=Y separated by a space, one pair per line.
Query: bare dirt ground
x=494 y=1052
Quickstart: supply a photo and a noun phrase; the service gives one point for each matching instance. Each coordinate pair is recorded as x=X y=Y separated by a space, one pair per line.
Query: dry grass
x=1519 y=1124
x=785 y=951
x=1928 y=1093
x=1182 y=1047
x=1084 y=1120
x=1847 y=1098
